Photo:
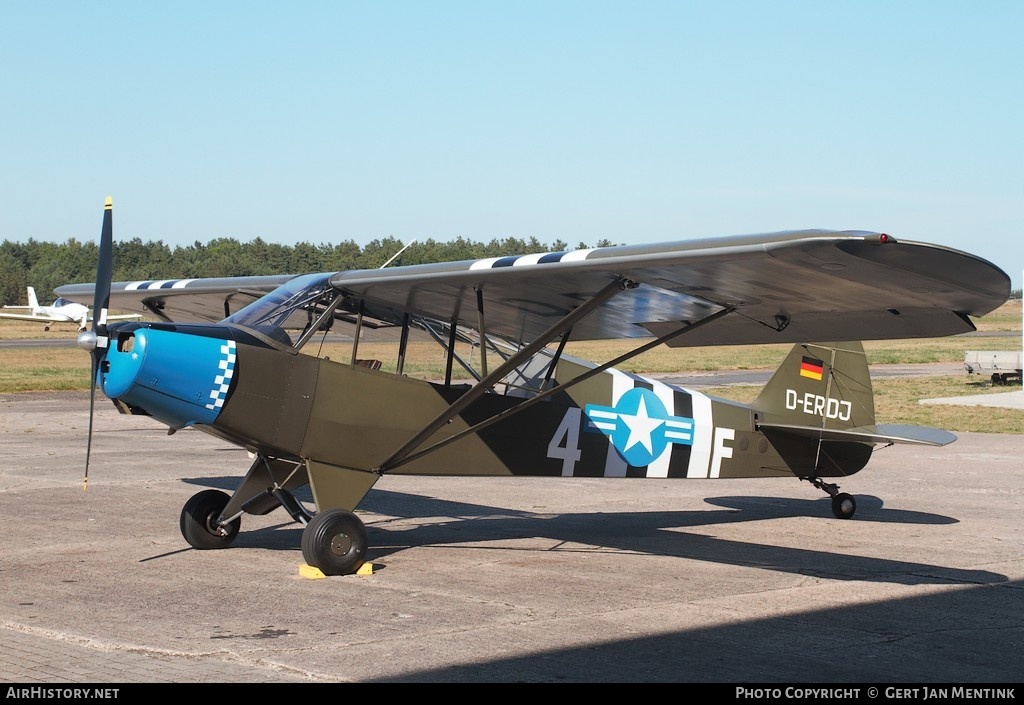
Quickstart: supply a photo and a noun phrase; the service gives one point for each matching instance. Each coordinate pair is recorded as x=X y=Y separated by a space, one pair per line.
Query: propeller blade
x=92 y=405
x=104 y=272
x=96 y=341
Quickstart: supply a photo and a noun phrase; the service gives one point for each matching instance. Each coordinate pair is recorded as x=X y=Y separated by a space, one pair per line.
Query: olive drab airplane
x=229 y=357
x=60 y=311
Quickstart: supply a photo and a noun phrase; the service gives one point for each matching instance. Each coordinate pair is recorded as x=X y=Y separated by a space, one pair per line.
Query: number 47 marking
x=565 y=446
x=565 y=443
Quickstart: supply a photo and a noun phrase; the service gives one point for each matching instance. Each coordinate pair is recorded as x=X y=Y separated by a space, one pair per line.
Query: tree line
x=47 y=265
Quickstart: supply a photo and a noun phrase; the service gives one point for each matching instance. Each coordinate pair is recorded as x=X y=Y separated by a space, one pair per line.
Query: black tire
x=335 y=542
x=199 y=521
x=844 y=505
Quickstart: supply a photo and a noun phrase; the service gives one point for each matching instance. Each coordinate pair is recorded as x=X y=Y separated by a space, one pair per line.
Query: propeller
x=96 y=340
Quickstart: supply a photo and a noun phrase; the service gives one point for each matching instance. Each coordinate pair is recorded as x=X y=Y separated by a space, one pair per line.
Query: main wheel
x=335 y=542
x=199 y=521
x=844 y=505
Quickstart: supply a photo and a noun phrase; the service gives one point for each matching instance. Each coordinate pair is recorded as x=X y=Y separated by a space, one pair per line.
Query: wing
x=786 y=287
x=121 y=317
x=33 y=317
x=184 y=300
x=778 y=288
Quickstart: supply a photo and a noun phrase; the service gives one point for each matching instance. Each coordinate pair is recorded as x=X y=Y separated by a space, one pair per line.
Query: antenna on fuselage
x=395 y=256
x=359 y=317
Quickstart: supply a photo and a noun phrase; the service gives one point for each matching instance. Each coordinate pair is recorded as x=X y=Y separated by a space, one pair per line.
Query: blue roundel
x=639 y=426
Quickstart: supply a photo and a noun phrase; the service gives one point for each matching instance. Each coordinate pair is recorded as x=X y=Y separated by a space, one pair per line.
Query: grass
x=896 y=400
x=43 y=369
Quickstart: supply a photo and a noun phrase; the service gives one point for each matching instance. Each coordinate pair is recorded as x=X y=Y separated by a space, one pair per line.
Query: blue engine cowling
x=178 y=378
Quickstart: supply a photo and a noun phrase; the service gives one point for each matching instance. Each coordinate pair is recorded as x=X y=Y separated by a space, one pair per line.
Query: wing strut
x=359 y=330
x=396 y=460
x=451 y=352
x=483 y=330
x=403 y=344
x=434 y=329
x=478 y=390
x=313 y=327
x=555 y=358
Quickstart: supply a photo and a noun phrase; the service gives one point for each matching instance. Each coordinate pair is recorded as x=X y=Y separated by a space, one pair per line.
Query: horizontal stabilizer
x=881 y=433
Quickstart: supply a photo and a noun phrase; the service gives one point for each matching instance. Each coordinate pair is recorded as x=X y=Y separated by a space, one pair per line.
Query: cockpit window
x=293 y=306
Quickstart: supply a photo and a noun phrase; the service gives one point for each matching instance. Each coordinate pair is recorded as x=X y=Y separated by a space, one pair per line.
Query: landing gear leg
x=291 y=505
x=843 y=505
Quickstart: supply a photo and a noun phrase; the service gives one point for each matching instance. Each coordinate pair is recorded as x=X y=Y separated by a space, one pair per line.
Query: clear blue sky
x=633 y=121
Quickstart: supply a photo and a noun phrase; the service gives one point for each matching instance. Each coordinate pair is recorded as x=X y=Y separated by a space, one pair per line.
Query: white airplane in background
x=60 y=311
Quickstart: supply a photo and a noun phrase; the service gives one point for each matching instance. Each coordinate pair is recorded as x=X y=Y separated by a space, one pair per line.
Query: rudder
x=826 y=385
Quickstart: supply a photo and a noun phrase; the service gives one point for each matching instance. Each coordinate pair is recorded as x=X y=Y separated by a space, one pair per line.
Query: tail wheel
x=335 y=542
x=844 y=505
x=199 y=521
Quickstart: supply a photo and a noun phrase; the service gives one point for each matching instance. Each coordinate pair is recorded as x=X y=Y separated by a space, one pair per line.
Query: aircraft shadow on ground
x=963 y=636
x=447 y=524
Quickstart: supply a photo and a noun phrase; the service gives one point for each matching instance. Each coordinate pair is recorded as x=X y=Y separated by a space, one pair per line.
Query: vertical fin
x=826 y=385
x=820 y=386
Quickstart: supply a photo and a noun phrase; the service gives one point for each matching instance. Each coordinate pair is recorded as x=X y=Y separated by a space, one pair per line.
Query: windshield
x=292 y=306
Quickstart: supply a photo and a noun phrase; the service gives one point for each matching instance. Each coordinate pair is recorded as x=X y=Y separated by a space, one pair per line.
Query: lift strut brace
x=406 y=456
x=567 y=321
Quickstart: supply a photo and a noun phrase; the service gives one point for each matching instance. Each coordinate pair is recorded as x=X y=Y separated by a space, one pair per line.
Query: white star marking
x=640 y=427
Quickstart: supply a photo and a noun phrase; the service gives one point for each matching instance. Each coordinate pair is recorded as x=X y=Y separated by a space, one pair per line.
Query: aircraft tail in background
x=33 y=302
x=61 y=311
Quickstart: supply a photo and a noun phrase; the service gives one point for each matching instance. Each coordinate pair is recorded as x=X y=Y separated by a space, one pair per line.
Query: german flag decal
x=810 y=367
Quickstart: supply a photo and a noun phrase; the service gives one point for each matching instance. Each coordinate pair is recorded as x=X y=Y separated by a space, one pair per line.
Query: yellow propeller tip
x=110 y=202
